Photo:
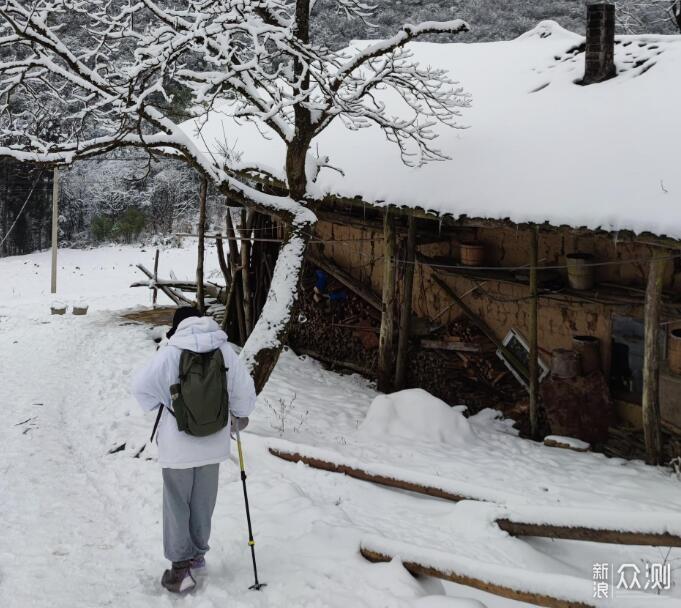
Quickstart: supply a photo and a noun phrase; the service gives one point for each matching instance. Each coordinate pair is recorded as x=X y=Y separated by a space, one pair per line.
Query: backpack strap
x=158 y=419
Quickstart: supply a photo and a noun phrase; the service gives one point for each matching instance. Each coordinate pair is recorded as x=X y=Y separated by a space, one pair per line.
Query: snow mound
x=416 y=414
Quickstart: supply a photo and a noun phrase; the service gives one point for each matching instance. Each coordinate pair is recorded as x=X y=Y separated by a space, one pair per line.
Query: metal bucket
x=581 y=275
x=564 y=363
x=589 y=350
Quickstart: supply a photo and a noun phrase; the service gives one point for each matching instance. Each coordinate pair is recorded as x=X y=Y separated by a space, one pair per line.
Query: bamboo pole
x=246 y=225
x=533 y=364
x=55 y=229
x=405 y=312
x=651 y=361
x=234 y=264
x=386 y=337
x=201 y=253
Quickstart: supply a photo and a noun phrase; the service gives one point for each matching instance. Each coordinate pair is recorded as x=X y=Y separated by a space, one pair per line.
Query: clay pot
x=472 y=253
x=80 y=309
x=581 y=276
x=589 y=350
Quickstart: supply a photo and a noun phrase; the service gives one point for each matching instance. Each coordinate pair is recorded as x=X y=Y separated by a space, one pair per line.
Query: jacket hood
x=199 y=335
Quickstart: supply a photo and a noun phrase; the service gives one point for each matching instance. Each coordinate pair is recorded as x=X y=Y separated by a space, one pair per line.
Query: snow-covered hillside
x=81 y=526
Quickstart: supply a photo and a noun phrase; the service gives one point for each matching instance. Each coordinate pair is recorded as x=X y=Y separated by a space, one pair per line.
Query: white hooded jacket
x=151 y=387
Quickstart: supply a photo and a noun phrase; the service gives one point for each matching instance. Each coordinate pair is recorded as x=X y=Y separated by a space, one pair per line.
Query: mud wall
x=504 y=305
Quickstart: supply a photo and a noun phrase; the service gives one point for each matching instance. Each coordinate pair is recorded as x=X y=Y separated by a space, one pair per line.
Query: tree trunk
x=651 y=362
x=533 y=364
x=386 y=337
x=405 y=313
x=202 y=231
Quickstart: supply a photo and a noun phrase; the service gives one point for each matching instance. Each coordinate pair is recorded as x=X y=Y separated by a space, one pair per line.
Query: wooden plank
x=464 y=347
x=349 y=365
x=176 y=297
x=621 y=537
x=462 y=579
x=401 y=484
x=481 y=325
x=597 y=535
x=651 y=361
x=364 y=292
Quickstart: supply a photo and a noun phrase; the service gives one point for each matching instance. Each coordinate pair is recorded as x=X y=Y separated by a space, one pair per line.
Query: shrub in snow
x=416 y=414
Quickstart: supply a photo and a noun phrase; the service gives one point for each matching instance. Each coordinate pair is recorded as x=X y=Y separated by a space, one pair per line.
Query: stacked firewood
x=456 y=363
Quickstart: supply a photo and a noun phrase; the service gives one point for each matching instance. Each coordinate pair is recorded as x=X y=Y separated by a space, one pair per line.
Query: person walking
x=202 y=390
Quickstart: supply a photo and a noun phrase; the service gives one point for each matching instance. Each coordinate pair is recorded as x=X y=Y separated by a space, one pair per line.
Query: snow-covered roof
x=538 y=148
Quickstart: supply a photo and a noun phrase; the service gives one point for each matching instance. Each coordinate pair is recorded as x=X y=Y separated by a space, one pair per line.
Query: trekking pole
x=251 y=542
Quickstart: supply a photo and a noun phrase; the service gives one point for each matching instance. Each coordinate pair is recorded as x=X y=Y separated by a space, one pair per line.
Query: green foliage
x=125 y=227
x=101 y=227
x=129 y=225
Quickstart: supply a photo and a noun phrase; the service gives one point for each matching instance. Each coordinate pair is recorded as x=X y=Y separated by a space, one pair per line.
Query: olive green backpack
x=200 y=400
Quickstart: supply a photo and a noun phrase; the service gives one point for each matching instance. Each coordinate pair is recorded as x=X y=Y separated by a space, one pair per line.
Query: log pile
x=344 y=334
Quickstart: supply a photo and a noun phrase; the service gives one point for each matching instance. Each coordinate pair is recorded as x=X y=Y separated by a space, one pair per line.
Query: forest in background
x=121 y=197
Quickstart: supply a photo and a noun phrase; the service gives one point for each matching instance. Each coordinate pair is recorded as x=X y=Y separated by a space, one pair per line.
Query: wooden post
x=386 y=337
x=405 y=311
x=246 y=225
x=533 y=364
x=651 y=361
x=202 y=231
x=55 y=228
x=234 y=264
x=155 y=291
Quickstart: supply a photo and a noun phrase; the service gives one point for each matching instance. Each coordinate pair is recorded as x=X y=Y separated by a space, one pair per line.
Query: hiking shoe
x=197 y=563
x=179 y=578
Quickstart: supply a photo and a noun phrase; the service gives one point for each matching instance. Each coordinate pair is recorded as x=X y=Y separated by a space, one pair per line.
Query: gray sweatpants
x=188 y=501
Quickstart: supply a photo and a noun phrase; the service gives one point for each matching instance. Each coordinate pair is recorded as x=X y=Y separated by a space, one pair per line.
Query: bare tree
x=61 y=101
x=630 y=14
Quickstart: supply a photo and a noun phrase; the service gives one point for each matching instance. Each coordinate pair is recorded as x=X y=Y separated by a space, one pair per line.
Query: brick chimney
x=600 y=42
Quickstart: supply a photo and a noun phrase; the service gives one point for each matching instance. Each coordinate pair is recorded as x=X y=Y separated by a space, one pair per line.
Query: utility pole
x=55 y=227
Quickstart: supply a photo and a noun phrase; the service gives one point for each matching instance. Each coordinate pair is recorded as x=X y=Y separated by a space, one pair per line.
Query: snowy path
x=81 y=527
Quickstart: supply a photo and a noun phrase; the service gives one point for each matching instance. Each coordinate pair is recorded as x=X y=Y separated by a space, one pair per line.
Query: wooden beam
x=176 y=297
x=516 y=528
x=598 y=535
x=386 y=337
x=200 y=299
x=416 y=568
x=533 y=357
x=354 y=285
x=406 y=309
x=481 y=325
x=155 y=294
x=353 y=367
x=651 y=361
x=383 y=480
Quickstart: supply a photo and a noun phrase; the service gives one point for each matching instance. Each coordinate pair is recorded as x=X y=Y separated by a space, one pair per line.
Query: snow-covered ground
x=80 y=527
